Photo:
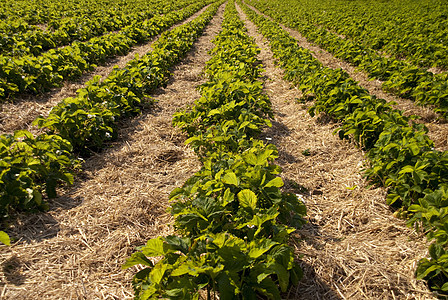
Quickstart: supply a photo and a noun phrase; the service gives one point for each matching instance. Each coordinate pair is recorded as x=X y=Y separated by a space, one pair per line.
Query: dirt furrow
x=75 y=251
x=438 y=128
x=352 y=246
x=20 y=113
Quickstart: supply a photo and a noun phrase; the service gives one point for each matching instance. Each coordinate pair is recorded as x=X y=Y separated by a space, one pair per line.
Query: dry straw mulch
x=352 y=246
x=438 y=127
x=75 y=251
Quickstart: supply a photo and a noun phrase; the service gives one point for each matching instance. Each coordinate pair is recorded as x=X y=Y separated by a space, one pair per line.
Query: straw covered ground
x=75 y=250
x=351 y=248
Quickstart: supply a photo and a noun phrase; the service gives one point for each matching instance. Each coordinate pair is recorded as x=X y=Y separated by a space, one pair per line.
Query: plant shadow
x=36 y=226
x=12 y=271
x=313 y=287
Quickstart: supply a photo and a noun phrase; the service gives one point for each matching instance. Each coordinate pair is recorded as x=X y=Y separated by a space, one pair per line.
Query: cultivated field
x=258 y=149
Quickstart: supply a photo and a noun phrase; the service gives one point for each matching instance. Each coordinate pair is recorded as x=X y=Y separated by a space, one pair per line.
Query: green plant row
x=67 y=20
x=400 y=77
x=230 y=216
x=402 y=157
x=63 y=32
x=89 y=119
x=415 y=31
x=31 y=167
x=20 y=15
x=38 y=74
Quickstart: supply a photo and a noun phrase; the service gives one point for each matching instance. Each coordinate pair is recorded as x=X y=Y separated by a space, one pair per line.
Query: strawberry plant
x=90 y=119
x=35 y=74
x=232 y=220
x=401 y=155
x=400 y=76
x=31 y=167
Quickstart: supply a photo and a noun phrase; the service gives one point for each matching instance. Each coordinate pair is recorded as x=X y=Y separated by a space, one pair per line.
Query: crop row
x=399 y=77
x=31 y=12
x=61 y=32
x=65 y=21
x=416 y=31
x=37 y=74
x=401 y=156
x=31 y=167
x=230 y=216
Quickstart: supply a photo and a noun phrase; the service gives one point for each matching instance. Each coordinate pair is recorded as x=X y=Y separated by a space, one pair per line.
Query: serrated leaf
x=213 y=112
x=259 y=247
x=186 y=268
x=414 y=149
x=228 y=283
x=429 y=270
x=68 y=177
x=406 y=169
x=269 y=288
x=158 y=272
x=228 y=197
x=154 y=247
x=192 y=139
x=149 y=292
x=247 y=199
x=230 y=178
x=282 y=275
x=250 y=158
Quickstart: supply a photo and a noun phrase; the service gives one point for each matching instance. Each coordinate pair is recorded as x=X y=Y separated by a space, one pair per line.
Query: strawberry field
x=223 y=149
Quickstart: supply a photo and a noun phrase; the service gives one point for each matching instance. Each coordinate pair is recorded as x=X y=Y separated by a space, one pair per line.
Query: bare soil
x=76 y=249
x=352 y=247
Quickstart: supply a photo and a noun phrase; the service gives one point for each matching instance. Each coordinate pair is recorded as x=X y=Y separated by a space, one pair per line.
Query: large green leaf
x=259 y=247
x=158 y=272
x=154 y=247
x=230 y=178
x=277 y=182
x=137 y=258
x=4 y=238
x=247 y=199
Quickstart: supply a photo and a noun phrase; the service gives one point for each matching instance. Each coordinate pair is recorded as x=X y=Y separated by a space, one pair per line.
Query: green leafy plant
x=35 y=74
x=30 y=165
x=401 y=155
x=233 y=222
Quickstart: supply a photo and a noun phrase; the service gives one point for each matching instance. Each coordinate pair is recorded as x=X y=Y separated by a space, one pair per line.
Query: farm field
x=223 y=150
